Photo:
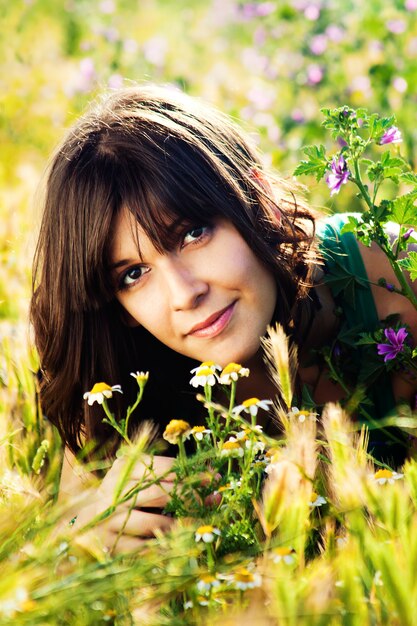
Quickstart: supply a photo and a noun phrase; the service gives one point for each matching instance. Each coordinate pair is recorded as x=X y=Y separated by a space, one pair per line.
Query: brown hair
x=160 y=153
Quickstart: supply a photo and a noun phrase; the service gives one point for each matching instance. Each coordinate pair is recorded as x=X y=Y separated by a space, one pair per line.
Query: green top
x=346 y=276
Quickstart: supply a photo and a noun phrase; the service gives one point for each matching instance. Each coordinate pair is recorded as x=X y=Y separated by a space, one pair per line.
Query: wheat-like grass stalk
x=282 y=361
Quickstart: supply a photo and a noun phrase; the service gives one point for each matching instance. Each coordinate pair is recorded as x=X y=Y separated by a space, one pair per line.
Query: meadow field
x=334 y=539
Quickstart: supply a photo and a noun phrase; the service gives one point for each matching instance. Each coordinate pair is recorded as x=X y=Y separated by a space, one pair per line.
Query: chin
x=240 y=356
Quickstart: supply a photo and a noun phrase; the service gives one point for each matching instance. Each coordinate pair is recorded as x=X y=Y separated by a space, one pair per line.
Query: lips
x=214 y=324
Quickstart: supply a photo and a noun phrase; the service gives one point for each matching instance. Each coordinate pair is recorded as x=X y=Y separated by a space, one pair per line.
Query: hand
x=135 y=520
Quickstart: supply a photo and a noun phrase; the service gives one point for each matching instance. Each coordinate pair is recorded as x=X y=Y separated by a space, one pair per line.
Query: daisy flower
x=301 y=415
x=99 y=392
x=316 y=499
x=176 y=430
x=231 y=448
x=207 y=533
x=207 y=582
x=284 y=555
x=232 y=372
x=383 y=476
x=251 y=406
x=203 y=375
x=199 y=431
x=244 y=579
x=140 y=377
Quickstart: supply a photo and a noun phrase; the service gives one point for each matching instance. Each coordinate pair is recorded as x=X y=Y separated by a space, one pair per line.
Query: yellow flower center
x=205 y=529
x=230 y=445
x=314 y=496
x=207 y=579
x=198 y=429
x=283 y=551
x=243 y=576
x=100 y=387
x=204 y=371
x=232 y=367
x=224 y=487
x=208 y=364
x=250 y=402
x=305 y=413
x=383 y=473
x=177 y=427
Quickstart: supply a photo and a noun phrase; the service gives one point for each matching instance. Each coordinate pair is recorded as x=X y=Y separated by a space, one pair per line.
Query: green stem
x=405 y=287
x=132 y=408
x=231 y=403
x=111 y=420
x=358 y=181
x=181 y=453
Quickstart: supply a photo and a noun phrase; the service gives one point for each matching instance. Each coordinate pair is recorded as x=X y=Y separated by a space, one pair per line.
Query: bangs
x=174 y=187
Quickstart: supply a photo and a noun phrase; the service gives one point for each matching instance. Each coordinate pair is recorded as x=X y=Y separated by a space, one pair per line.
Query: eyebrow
x=121 y=263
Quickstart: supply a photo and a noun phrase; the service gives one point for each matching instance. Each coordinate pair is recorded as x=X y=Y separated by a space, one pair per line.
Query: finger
x=148 y=467
x=139 y=523
x=154 y=496
x=125 y=543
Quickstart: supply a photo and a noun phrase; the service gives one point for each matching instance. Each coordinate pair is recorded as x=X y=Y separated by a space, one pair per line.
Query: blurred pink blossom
x=297 y=115
x=115 y=81
x=315 y=74
x=259 y=36
x=411 y=5
x=312 y=12
x=361 y=83
x=318 y=44
x=251 y=10
x=396 y=26
x=400 y=84
x=155 y=50
x=130 y=46
x=255 y=62
x=261 y=97
x=335 y=33
x=107 y=7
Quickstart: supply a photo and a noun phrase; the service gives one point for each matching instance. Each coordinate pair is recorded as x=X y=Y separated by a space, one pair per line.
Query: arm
x=132 y=521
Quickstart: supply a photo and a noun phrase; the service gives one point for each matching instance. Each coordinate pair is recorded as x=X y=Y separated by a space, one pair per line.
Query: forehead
x=129 y=238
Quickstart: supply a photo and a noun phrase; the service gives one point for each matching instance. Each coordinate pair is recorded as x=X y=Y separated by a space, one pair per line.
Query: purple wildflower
x=395 y=343
x=339 y=174
x=390 y=287
x=391 y=135
x=408 y=234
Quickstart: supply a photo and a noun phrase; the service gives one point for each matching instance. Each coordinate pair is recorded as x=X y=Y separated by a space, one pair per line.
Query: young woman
x=164 y=243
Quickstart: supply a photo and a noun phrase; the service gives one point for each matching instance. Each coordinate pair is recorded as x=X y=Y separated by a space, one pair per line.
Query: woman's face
x=210 y=298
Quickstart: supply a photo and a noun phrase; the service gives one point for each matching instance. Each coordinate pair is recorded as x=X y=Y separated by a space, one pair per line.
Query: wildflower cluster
x=233 y=483
x=368 y=158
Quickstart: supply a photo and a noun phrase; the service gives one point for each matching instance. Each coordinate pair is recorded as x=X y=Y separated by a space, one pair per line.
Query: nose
x=184 y=288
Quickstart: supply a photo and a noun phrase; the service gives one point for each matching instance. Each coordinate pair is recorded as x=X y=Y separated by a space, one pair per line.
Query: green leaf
x=409 y=264
x=341 y=280
x=316 y=164
x=409 y=178
x=403 y=210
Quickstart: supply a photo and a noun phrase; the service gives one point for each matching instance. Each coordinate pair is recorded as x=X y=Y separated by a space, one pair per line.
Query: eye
x=131 y=276
x=195 y=234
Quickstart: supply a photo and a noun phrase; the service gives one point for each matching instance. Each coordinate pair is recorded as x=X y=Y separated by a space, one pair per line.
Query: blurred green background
x=272 y=65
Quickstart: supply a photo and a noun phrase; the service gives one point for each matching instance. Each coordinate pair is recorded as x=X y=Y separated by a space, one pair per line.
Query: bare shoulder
x=387 y=303
x=377 y=266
